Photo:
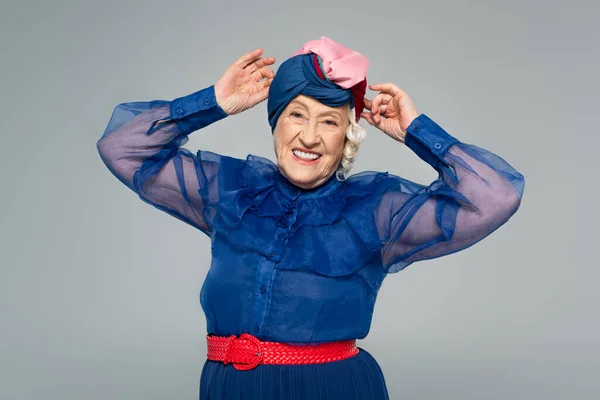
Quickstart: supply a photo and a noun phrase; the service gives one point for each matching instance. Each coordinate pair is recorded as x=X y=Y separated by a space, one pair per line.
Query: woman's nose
x=309 y=134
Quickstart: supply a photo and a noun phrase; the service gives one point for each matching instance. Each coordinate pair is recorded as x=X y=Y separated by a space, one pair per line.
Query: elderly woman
x=300 y=250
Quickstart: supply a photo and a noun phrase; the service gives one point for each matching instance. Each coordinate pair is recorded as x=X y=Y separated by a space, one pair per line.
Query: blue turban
x=297 y=75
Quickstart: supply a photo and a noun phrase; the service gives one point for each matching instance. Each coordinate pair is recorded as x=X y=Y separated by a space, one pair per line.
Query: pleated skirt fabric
x=356 y=378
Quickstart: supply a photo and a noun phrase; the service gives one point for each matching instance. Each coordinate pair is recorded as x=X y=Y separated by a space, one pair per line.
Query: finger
x=264 y=72
x=367 y=104
x=264 y=84
x=248 y=57
x=388 y=88
x=383 y=109
x=381 y=98
x=257 y=64
x=367 y=117
x=259 y=96
x=370 y=119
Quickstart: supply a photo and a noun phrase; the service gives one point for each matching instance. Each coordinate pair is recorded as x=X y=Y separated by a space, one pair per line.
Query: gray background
x=99 y=291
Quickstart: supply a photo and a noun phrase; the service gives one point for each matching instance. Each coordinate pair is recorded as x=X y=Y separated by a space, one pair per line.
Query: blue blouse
x=295 y=265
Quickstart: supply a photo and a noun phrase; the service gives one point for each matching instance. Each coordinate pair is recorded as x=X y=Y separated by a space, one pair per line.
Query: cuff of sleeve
x=196 y=110
x=424 y=135
x=430 y=142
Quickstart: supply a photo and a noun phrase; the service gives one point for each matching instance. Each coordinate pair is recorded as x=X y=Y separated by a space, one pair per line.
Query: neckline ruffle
x=267 y=193
x=270 y=194
x=253 y=189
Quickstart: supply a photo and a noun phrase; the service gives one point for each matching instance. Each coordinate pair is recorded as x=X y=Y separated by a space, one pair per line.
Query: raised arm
x=141 y=146
x=475 y=193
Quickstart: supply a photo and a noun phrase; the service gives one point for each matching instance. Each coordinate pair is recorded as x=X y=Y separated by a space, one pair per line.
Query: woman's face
x=310 y=126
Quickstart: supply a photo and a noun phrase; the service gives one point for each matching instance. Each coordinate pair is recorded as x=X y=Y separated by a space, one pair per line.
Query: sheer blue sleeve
x=476 y=192
x=141 y=146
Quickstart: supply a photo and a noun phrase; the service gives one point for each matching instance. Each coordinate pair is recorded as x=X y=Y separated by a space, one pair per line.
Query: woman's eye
x=330 y=122
x=296 y=115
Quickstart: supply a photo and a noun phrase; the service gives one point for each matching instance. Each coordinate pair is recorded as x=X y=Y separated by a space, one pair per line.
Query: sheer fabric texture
x=304 y=266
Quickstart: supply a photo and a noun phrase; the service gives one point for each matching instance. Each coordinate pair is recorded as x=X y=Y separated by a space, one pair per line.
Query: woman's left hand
x=396 y=108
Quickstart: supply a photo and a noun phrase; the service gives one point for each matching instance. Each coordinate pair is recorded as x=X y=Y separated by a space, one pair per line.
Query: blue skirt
x=354 y=378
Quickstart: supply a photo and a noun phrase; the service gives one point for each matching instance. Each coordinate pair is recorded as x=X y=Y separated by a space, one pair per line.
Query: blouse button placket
x=284 y=223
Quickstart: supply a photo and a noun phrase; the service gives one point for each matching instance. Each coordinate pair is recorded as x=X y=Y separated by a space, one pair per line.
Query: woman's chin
x=298 y=178
x=303 y=176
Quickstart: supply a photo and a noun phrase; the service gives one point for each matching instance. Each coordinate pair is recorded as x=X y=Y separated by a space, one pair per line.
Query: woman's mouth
x=305 y=158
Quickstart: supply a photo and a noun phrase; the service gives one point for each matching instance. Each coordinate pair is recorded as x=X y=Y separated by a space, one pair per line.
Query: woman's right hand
x=245 y=83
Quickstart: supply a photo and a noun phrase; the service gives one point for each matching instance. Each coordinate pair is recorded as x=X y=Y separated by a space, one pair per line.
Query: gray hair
x=355 y=135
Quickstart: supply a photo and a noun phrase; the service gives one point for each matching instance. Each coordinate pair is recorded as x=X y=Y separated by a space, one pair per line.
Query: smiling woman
x=309 y=140
x=298 y=256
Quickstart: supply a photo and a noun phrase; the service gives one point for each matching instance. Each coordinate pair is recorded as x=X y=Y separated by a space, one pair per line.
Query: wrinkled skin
x=309 y=124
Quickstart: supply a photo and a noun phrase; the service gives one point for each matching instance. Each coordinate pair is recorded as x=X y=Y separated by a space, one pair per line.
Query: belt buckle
x=255 y=355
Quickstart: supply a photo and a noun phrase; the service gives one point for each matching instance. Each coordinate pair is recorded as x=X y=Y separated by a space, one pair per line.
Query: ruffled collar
x=268 y=194
x=255 y=202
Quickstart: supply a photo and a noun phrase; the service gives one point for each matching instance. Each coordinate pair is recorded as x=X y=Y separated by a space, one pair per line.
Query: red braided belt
x=247 y=351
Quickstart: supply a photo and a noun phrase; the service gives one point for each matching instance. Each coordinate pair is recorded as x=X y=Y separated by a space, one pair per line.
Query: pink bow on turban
x=344 y=67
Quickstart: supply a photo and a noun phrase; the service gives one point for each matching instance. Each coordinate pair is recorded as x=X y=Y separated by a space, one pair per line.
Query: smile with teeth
x=306 y=156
